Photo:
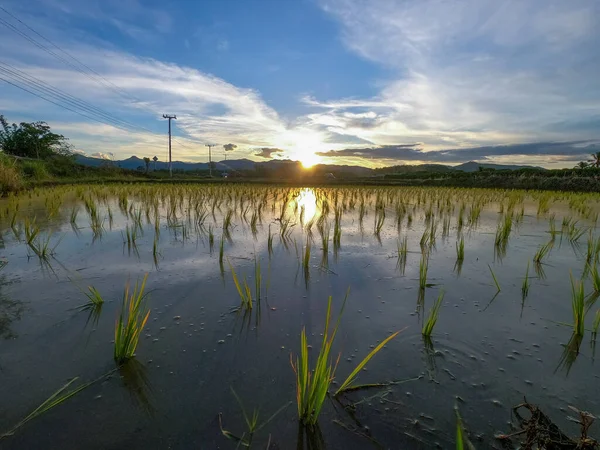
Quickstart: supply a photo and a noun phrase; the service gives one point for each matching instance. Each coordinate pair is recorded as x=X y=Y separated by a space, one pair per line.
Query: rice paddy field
x=247 y=316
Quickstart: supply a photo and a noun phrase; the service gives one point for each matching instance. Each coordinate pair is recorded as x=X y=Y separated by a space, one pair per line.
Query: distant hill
x=473 y=166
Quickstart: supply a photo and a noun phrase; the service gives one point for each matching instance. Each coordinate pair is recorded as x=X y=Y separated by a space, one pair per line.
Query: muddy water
x=487 y=352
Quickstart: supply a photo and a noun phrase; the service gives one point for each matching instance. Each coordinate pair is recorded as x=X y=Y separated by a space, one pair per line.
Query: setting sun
x=309 y=159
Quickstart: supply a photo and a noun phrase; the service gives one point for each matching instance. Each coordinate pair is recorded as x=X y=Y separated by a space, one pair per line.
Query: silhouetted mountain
x=133 y=163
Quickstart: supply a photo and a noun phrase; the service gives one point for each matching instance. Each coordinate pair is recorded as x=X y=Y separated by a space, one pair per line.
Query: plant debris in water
x=539 y=432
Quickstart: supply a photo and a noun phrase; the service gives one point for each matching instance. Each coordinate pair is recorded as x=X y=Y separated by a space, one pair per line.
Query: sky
x=359 y=82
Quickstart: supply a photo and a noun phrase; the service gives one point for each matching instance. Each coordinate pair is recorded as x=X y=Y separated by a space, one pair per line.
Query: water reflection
x=10 y=311
x=569 y=354
x=307 y=201
x=135 y=379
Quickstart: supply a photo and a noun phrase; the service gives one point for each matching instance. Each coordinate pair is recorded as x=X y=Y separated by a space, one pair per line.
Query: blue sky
x=376 y=82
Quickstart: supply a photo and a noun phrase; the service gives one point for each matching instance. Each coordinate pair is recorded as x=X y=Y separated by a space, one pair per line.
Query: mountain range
x=135 y=163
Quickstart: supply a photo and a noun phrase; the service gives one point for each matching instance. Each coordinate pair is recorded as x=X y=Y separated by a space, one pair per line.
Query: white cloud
x=469 y=73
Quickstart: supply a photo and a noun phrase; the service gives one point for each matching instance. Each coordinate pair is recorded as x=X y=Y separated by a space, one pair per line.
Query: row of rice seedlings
x=434 y=312
x=312 y=386
x=578 y=306
x=131 y=321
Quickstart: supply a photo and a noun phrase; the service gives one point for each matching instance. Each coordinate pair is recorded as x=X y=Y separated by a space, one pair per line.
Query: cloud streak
x=569 y=151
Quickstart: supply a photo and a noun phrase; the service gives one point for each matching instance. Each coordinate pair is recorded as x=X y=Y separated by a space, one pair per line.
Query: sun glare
x=309 y=159
x=308 y=200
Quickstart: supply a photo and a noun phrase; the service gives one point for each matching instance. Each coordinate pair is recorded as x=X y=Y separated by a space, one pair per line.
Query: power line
x=101 y=80
x=61 y=96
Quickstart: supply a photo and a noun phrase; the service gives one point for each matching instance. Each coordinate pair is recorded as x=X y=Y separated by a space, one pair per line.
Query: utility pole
x=167 y=116
x=210 y=146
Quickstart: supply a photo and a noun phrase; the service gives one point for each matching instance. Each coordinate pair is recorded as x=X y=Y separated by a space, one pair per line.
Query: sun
x=308 y=159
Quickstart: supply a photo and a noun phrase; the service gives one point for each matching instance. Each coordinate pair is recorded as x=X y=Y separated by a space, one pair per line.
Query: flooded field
x=493 y=293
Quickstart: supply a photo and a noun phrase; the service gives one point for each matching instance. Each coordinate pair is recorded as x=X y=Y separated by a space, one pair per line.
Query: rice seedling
x=596 y=323
x=525 y=285
x=575 y=234
x=570 y=353
x=460 y=250
x=433 y=316
x=423 y=267
x=94 y=296
x=59 y=397
x=270 y=242
x=252 y=423
x=495 y=279
x=243 y=290
x=40 y=245
x=446 y=227
x=578 y=306
x=73 y=216
x=542 y=252
x=337 y=228
x=349 y=382
x=257 y=280
x=211 y=238
x=131 y=321
x=227 y=222
x=402 y=254
x=306 y=258
x=286 y=229
x=462 y=442
x=312 y=386
x=503 y=231
x=379 y=221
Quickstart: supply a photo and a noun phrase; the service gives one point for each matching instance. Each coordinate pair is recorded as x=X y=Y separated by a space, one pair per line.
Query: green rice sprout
x=578 y=306
x=59 y=397
x=257 y=278
x=243 y=290
x=402 y=253
x=433 y=316
x=94 y=296
x=595 y=277
x=312 y=386
x=423 y=267
x=270 y=242
x=306 y=258
x=525 y=286
x=348 y=384
x=596 y=323
x=542 y=252
x=460 y=250
x=211 y=238
x=131 y=321
x=462 y=442
x=495 y=279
